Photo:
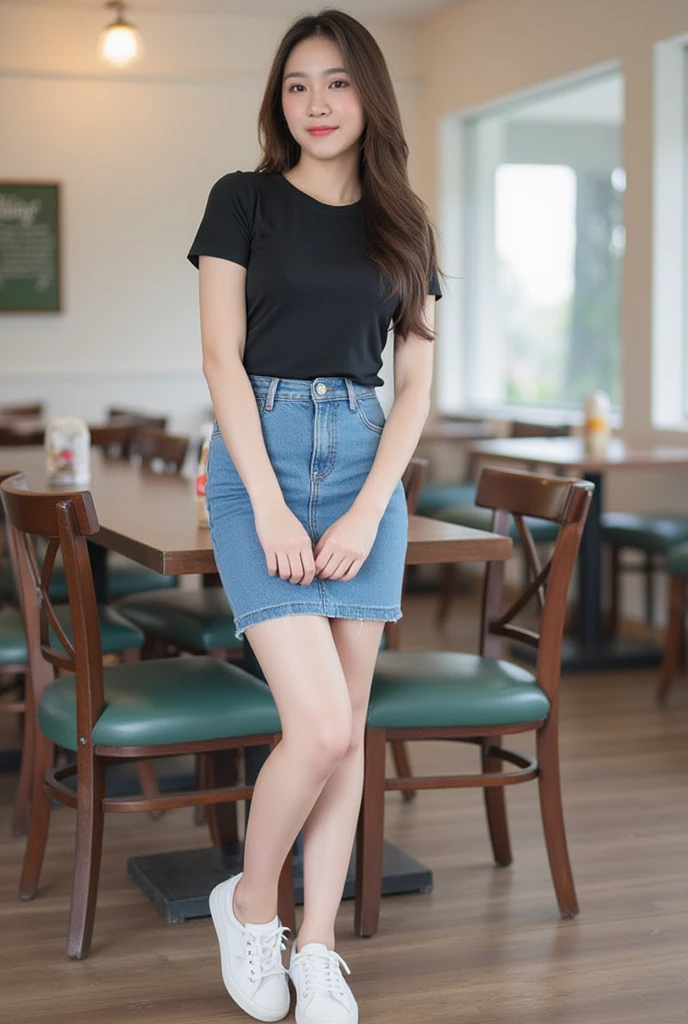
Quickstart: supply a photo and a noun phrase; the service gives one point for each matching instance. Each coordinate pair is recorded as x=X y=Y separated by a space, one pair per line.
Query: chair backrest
x=115 y=439
x=142 y=419
x=64 y=520
x=558 y=499
x=159 y=451
x=413 y=480
x=30 y=410
x=522 y=429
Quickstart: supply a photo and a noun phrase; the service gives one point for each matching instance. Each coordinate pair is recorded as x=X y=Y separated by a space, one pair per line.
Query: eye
x=339 y=81
x=296 y=86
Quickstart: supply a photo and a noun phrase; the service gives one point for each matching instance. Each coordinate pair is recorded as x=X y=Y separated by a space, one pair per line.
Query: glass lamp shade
x=120 y=44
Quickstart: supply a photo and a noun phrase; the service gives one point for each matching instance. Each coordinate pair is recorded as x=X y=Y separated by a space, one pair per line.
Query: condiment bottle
x=596 y=426
x=201 y=478
x=68 y=452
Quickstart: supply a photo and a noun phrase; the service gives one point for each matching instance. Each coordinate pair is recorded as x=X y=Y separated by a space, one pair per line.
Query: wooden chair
x=467 y=513
x=160 y=451
x=173 y=707
x=28 y=410
x=135 y=418
x=478 y=699
x=675 y=644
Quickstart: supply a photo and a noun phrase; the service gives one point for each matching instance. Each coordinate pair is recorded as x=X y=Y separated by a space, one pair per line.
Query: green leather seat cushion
x=12 y=640
x=124 y=577
x=198 y=619
x=433 y=497
x=543 y=531
x=648 y=533
x=427 y=689
x=128 y=577
x=57 y=590
x=116 y=634
x=677 y=560
x=173 y=700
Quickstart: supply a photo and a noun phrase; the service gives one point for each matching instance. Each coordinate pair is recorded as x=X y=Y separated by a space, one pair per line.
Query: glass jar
x=68 y=452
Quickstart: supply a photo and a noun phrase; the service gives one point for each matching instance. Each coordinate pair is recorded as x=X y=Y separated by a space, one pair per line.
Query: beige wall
x=136 y=153
x=482 y=50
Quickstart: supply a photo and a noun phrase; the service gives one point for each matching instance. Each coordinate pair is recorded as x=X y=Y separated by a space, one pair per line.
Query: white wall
x=135 y=152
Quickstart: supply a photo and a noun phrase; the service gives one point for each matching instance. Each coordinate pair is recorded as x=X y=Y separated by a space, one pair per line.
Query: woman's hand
x=287 y=545
x=345 y=545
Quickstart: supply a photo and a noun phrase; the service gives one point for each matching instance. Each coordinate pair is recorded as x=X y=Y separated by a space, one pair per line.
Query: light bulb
x=120 y=44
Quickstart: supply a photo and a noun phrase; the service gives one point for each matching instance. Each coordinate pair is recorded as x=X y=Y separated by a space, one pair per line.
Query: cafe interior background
x=549 y=139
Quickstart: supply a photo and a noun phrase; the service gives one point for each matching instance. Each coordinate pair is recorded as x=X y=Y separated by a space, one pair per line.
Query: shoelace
x=321 y=974
x=264 y=953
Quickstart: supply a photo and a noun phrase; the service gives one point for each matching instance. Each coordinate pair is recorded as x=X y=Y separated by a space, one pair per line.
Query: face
x=317 y=92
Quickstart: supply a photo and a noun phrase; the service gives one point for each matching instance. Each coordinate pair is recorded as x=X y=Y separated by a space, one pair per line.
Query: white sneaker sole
x=351 y=1019
x=222 y=927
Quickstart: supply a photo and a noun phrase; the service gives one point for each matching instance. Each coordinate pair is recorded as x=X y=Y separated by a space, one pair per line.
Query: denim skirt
x=321 y=438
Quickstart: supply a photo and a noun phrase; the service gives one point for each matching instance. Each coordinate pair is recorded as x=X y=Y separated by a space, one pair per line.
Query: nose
x=318 y=103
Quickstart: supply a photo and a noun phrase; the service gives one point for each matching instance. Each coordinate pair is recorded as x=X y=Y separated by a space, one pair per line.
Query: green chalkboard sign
x=29 y=247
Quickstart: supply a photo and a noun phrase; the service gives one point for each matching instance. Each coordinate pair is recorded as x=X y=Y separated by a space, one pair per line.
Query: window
x=543 y=249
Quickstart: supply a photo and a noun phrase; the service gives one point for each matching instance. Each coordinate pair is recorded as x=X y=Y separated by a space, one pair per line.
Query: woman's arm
x=222 y=288
x=413 y=361
x=344 y=546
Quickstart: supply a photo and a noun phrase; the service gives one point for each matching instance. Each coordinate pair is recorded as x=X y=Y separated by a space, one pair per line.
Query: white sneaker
x=251 y=957
x=322 y=994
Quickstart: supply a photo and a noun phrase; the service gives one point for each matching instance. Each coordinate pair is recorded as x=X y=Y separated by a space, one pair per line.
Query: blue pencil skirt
x=321 y=437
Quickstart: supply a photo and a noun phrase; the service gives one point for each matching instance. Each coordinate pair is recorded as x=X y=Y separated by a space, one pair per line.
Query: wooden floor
x=485 y=947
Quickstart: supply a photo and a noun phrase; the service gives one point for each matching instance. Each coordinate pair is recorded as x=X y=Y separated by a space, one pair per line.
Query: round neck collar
x=346 y=210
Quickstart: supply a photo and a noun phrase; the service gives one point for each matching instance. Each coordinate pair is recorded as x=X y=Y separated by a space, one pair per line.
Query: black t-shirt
x=312 y=295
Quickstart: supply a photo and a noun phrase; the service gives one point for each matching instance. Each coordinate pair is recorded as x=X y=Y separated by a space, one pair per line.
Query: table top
x=152 y=518
x=568 y=452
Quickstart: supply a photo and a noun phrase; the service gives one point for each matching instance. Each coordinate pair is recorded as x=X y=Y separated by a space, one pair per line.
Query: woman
x=304 y=265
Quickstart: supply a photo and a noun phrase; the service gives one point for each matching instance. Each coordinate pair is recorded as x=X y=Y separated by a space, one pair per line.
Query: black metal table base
x=179 y=883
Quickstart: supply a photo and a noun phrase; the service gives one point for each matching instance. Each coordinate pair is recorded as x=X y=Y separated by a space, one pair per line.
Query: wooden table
x=152 y=519
x=593 y=649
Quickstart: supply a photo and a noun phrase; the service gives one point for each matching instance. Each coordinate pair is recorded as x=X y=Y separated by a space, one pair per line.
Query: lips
x=321 y=131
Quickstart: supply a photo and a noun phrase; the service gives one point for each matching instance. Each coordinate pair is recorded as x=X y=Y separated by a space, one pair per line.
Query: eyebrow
x=327 y=71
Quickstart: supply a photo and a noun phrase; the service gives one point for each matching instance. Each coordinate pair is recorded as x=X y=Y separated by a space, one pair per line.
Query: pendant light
x=120 y=44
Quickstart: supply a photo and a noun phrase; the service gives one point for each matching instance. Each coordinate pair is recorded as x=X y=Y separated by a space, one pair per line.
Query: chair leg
x=649 y=574
x=552 y=814
x=495 y=805
x=39 y=815
x=370 y=836
x=675 y=635
x=87 y=855
x=448 y=583
x=222 y=818
x=20 y=813
x=615 y=573
x=402 y=766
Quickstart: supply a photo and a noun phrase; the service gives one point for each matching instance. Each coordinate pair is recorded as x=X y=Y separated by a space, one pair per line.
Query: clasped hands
x=338 y=555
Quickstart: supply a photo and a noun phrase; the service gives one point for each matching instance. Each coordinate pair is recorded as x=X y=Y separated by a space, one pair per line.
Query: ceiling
x=364 y=9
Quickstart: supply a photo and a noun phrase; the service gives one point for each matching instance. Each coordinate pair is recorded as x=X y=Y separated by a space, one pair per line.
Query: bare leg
x=298 y=657
x=330 y=829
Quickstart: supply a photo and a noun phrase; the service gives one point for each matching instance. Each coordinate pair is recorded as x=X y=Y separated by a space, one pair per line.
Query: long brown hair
x=399 y=235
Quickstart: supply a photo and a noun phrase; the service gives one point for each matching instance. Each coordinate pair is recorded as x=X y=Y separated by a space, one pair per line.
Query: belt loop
x=353 y=403
x=270 y=399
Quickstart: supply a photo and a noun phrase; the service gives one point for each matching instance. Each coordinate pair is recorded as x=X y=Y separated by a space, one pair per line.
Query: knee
x=326 y=744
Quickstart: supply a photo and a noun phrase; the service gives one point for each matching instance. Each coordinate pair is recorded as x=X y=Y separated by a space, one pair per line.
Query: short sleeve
x=434 y=285
x=225 y=229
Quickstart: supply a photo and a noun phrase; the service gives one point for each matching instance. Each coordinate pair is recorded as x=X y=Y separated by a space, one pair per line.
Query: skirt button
x=321 y=388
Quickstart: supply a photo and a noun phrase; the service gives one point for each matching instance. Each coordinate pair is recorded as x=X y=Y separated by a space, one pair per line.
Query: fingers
x=294 y=565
